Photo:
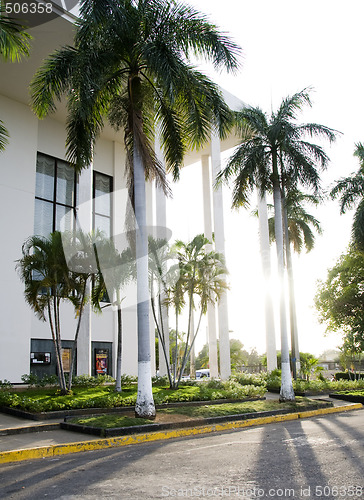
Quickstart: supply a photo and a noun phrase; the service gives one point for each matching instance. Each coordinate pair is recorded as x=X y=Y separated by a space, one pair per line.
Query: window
x=102 y=189
x=55 y=196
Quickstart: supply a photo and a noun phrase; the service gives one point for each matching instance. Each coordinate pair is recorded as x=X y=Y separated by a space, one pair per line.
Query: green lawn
x=108 y=421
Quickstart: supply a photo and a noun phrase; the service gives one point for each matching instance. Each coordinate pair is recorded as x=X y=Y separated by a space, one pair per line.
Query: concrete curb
x=100 y=444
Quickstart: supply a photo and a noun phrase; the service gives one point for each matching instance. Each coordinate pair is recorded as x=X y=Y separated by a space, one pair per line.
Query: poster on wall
x=66 y=359
x=102 y=361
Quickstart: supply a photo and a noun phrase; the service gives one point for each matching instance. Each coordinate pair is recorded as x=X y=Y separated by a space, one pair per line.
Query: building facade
x=40 y=193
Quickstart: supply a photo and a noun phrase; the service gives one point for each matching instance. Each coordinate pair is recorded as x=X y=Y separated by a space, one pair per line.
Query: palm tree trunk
x=120 y=345
x=74 y=348
x=287 y=392
x=56 y=347
x=265 y=255
x=164 y=351
x=57 y=328
x=175 y=353
x=192 y=350
x=193 y=338
x=292 y=299
x=144 y=407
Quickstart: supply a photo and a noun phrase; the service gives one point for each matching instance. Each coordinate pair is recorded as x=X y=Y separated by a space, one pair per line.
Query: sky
x=287 y=45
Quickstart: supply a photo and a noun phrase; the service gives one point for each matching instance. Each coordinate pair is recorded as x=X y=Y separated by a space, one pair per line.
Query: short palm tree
x=274 y=153
x=203 y=274
x=195 y=281
x=129 y=66
x=351 y=192
x=14 y=44
x=298 y=232
x=48 y=281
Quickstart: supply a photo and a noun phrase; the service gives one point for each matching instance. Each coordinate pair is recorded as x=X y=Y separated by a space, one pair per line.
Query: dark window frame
x=54 y=201
x=94 y=213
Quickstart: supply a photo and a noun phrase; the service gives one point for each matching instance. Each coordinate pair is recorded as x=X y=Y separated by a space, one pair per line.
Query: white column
x=211 y=314
x=84 y=217
x=223 y=315
x=161 y=222
x=265 y=255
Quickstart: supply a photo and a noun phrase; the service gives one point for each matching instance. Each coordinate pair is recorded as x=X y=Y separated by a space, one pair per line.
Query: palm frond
x=4 y=136
x=14 y=41
x=52 y=80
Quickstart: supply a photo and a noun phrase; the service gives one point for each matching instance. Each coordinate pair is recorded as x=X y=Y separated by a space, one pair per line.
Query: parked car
x=203 y=373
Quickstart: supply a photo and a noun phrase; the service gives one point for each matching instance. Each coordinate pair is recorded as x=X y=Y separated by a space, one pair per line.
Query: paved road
x=321 y=457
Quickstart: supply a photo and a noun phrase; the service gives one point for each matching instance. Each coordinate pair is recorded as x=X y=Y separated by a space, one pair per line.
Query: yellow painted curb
x=99 y=444
x=334 y=409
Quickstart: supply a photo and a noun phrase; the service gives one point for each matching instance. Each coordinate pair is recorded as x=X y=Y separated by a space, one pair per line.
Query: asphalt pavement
x=308 y=458
x=22 y=439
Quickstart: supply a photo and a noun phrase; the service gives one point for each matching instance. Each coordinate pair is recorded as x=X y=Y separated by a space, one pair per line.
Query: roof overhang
x=16 y=77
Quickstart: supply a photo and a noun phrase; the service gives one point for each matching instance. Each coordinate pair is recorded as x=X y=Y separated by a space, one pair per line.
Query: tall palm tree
x=14 y=44
x=297 y=233
x=274 y=153
x=351 y=192
x=129 y=65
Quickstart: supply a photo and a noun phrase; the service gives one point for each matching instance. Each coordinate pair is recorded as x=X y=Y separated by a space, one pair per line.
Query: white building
x=37 y=187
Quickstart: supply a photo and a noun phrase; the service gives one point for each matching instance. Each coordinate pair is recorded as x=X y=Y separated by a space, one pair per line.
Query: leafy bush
x=30 y=379
x=5 y=385
x=259 y=380
x=191 y=382
x=215 y=384
x=160 y=381
x=128 y=380
x=89 y=381
x=274 y=380
x=348 y=376
x=300 y=385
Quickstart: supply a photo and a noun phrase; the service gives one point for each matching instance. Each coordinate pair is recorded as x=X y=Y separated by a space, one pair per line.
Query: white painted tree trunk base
x=144 y=407
x=287 y=392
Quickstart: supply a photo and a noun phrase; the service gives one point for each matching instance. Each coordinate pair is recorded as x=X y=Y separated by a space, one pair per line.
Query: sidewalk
x=22 y=439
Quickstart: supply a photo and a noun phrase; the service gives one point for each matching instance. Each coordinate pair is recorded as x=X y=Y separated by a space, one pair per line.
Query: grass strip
x=108 y=421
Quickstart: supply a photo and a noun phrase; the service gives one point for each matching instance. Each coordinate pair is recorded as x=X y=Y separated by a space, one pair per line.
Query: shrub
x=215 y=384
x=128 y=379
x=274 y=380
x=90 y=381
x=259 y=380
x=30 y=379
x=5 y=385
x=348 y=376
x=160 y=381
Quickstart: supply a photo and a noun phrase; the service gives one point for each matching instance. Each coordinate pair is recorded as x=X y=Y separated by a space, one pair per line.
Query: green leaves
x=129 y=67
x=351 y=192
x=340 y=298
x=14 y=41
x=4 y=136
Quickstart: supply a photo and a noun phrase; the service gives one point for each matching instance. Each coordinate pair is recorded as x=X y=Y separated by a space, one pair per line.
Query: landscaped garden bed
x=354 y=396
x=124 y=423
x=42 y=403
